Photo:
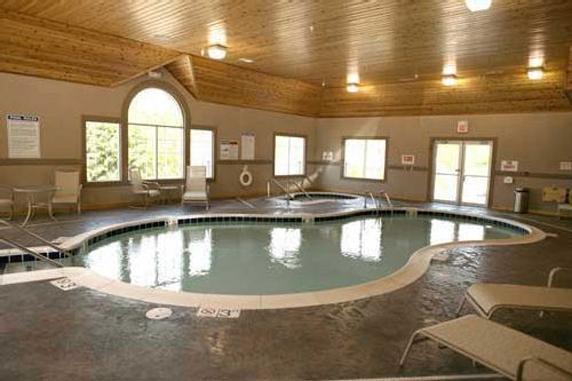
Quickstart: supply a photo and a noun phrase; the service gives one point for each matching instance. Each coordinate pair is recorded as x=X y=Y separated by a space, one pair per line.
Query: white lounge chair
x=149 y=190
x=68 y=190
x=7 y=200
x=487 y=298
x=511 y=353
x=196 y=187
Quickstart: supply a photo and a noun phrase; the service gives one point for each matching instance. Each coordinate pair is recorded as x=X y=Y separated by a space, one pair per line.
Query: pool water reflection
x=255 y=259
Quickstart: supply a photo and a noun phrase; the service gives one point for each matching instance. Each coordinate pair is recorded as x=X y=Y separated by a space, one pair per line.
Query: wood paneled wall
x=43 y=48
x=219 y=82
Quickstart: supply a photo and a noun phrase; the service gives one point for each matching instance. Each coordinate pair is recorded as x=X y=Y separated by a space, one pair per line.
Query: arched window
x=156 y=135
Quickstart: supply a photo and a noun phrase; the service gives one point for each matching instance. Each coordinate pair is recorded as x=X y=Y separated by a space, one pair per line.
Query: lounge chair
x=487 y=298
x=147 y=189
x=511 y=353
x=7 y=200
x=68 y=190
x=196 y=187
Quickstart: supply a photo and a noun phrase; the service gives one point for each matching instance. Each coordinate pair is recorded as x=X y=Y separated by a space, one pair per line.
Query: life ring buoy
x=245 y=177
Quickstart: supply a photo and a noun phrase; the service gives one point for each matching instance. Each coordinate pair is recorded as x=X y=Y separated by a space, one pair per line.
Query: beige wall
x=538 y=141
x=61 y=106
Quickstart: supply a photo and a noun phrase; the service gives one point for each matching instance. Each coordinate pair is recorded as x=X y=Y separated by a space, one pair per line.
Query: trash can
x=520 y=200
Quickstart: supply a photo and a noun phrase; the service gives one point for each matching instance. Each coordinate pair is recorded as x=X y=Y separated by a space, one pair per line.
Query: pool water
x=262 y=259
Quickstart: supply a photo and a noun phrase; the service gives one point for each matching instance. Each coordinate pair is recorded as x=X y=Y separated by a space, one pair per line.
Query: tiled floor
x=49 y=334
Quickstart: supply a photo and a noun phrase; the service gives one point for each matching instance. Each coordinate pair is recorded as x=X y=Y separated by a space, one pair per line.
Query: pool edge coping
x=412 y=270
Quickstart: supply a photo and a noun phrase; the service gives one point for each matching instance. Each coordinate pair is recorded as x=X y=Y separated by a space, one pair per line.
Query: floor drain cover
x=65 y=284
x=159 y=313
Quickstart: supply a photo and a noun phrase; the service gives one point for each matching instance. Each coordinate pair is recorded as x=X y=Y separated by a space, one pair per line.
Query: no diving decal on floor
x=213 y=312
x=64 y=284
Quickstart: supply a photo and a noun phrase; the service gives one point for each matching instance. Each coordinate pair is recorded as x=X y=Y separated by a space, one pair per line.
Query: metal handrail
x=372 y=199
x=39 y=238
x=279 y=185
x=301 y=188
x=31 y=252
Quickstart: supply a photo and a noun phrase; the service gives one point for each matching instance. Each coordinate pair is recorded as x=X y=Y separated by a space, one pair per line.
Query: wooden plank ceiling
x=43 y=48
x=398 y=48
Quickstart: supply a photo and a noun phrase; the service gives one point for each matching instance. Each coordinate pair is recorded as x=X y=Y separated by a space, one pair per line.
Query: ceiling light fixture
x=154 y=74
x=352 y=87
x=449 y=80
x=217 y=51
x=478 y=5
x=535 y=73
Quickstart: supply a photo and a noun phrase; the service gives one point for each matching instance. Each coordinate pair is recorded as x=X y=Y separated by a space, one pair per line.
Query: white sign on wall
x=463 y=127
x=509 y=166
x=566 y=165
x=228 y=149
x=408 y=159
x=247 y=142
x=23 y=136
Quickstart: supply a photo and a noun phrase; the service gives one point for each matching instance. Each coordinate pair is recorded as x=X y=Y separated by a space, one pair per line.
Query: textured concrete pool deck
x=88 y=335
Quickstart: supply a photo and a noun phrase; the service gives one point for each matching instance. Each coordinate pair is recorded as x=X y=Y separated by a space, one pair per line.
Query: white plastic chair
x=196 y=187
x=7 y=200
x=68 y=190
x=148 y=189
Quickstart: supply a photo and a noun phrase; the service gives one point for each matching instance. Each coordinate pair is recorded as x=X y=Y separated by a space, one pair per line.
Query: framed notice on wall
x=247 y=142
x=228 y=149
x=23 y=136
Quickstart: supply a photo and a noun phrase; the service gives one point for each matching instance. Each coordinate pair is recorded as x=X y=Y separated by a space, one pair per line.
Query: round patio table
x=32 y=192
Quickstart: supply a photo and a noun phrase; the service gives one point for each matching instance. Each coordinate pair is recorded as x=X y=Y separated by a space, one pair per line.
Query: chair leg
x=78 y=208
x=412 y=340
x=458 y=311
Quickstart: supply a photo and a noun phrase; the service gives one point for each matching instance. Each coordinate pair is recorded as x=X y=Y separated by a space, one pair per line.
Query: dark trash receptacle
x=520 y=200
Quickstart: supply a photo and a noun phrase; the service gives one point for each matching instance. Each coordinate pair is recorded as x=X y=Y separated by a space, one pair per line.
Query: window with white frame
x=202 y=149
x=156 y=137
x=289 y=155
x=102 y=151
x=364 y=158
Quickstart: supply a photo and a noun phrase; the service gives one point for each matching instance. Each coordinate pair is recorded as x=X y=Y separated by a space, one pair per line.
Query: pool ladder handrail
x=301 y=188
x=31 y=252
x=36 y=236
x=375 y=200
x=282 y=188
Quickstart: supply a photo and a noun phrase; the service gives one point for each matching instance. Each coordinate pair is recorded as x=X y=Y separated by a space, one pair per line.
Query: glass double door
x=462 y=171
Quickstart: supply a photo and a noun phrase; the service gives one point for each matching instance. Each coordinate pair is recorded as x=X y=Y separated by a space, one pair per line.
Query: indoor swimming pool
x=268 y=258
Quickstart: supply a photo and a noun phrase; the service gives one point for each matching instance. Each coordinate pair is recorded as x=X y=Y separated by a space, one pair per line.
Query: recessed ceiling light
x=311 y=27
x=535 y=73
x=155 y=74
x=449 y=80
x=161 y=37
x=216 y=52
x=352 y=87
x=478 y=5
x=246 y=60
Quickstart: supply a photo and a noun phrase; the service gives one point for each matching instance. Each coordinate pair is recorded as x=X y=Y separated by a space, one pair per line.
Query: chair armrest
x=152 y=184
x=541 y=361
x=553 y=273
